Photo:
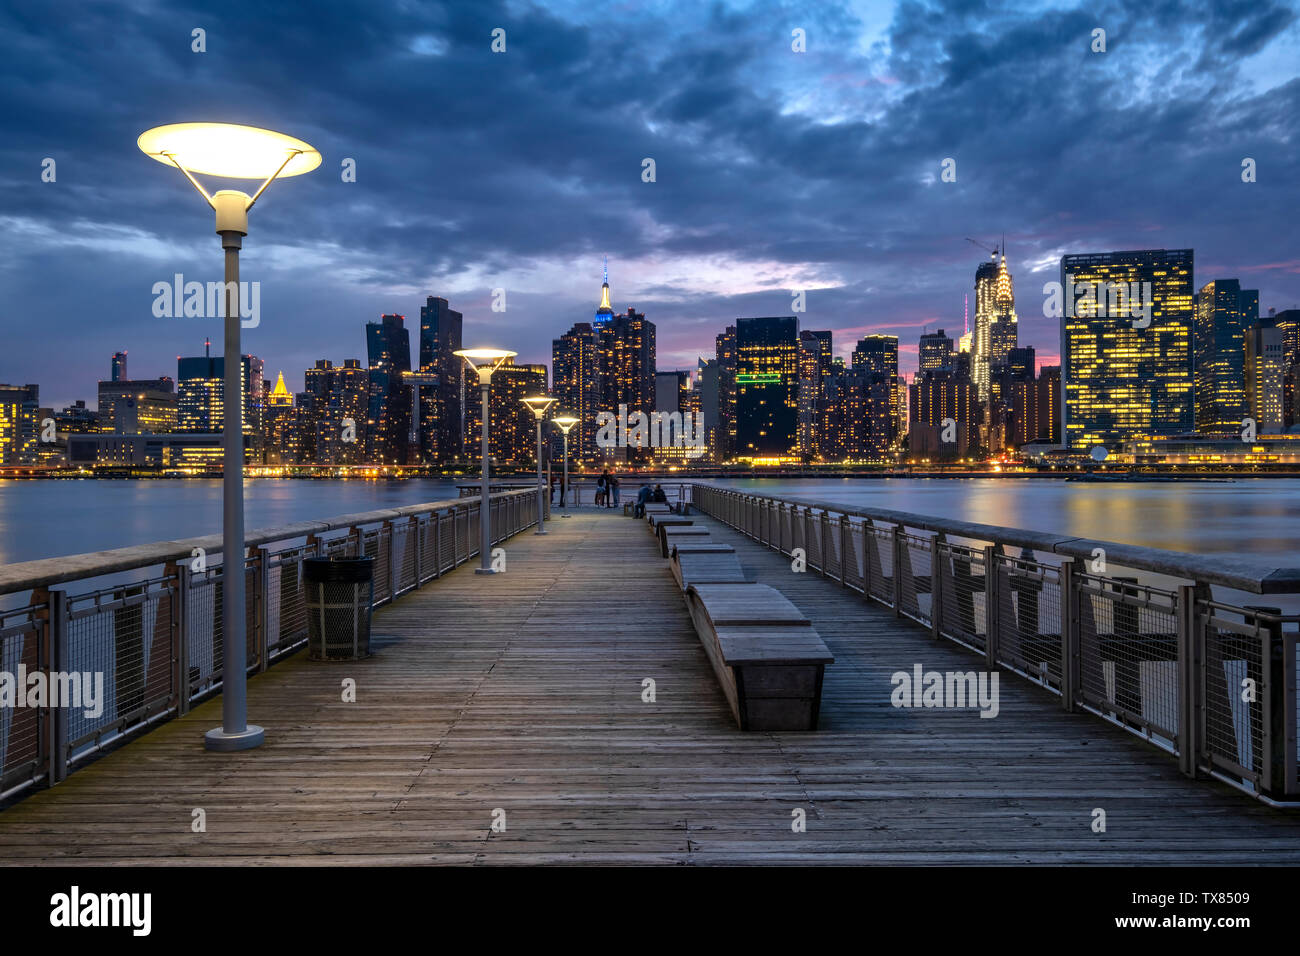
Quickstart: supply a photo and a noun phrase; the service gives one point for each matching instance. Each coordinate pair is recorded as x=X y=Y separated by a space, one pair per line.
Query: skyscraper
x=1264 y=372
x=724 y=448
x=935 y=352
x=341 y=432
x=512 y=434
x=280 y=445
x=878 y=356
x=1224 y=311
x=767 y=388
x=119 y=366
x=995 y=319
x=1126 y=374
x=201 y=387
x=441 y=421
x=945 y=415
x=814 y=370
x=577 y=388
x=388 y=348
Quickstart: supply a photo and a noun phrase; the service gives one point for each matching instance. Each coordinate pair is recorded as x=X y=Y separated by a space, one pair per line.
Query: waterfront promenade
x=523 y=693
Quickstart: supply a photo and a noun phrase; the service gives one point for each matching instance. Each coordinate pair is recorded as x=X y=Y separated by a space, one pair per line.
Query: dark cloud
x=775 y=170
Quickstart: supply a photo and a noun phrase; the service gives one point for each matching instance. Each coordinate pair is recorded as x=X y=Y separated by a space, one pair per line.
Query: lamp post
x=232 y=152
x=566 y=421
x=484 y=362
x=539 y=404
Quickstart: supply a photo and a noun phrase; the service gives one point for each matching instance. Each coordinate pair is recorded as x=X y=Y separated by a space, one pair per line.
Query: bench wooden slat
x=676 y=534
x=705 y=563
x=747 y=605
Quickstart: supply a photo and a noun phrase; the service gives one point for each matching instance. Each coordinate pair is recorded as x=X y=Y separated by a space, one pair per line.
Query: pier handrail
x=1217 y=684
x=1240 y=575
x=46 y=572
x=155 y=640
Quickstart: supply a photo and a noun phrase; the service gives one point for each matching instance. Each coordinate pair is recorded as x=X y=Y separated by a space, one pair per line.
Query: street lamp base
x=217 y=739
x=486 y=571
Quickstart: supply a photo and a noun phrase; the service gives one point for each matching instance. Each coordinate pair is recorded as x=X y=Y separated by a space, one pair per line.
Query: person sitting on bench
x=642 y=496
x=659 y=496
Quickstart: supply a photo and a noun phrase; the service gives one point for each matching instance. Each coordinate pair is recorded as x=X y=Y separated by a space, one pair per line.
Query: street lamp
x=539 y=404
x=566 y=421
x=485 y=362
x=231 y=152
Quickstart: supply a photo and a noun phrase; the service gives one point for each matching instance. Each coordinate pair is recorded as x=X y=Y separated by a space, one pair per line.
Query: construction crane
x=991 y=250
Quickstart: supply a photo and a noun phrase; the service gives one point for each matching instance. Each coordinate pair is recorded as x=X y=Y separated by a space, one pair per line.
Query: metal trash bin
x=339 y=593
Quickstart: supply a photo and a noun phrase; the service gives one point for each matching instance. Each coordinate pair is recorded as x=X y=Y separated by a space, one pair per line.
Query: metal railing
x=1213 y=683
x=155 y=642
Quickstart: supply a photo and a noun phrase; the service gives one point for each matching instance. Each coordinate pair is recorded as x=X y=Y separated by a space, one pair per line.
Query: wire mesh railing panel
x=1128 y=653
x=23 y=651
x=854 y=552
x=287 y=604
x=1234 y=690
x=833 y=546
x=203 y=633
x=405 y=540
x=962 y=592
x=447 y=545
x=119 y=670
x=916 y=576
x=1029 y=618
x=880 y=563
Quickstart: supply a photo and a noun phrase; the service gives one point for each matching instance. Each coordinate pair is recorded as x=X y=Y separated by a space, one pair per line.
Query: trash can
x=339 y=593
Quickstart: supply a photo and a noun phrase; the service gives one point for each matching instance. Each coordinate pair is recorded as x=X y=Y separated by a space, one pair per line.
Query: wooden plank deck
x=523 y=692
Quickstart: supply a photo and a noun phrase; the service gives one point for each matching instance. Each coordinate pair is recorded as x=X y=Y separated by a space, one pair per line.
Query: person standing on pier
x=613 y=483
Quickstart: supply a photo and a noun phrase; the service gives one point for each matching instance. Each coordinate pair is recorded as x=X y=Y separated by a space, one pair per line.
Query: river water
x=1251 y=518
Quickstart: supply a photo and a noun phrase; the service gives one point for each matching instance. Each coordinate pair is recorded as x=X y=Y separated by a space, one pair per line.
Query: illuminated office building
x=19 y=424
x=512 y=429
x=724 y=445
x=1124 y=378
x=767 y=389
x=1224 y=311
x=388 y=422
x=200 y=386
x=342 y=429
x=814 y=369
x=878 y=355
x=278 y=420
x=136 y=407
x=441 y=414
x=577 y=389
x=995 y=332
x=945 y=415
x=119 y=366
x=1264 y=373
x=1287 y=322
x=935 y=353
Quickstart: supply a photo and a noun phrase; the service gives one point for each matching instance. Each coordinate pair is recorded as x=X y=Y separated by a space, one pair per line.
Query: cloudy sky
x=775 y=170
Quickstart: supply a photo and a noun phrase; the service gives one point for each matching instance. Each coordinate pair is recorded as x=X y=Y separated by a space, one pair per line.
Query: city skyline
x=815 y=175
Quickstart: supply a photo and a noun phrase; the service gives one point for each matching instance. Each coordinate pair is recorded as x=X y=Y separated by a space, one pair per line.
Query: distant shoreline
x=1083 y=475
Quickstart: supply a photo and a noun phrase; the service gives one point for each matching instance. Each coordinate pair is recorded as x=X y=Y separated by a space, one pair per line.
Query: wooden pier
x=519 y=698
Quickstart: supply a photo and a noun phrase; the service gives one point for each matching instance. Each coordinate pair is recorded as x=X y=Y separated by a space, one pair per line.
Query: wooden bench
x=693 y=563
x=678 y=534
x=655 y=520
x=767 y=656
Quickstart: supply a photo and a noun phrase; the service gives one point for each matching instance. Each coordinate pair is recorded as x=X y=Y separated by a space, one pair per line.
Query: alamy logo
x=74 y=908
x=656 y=430
x=55 y=689
x=1114 y=300
x=179 y=299
x=954 y=689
